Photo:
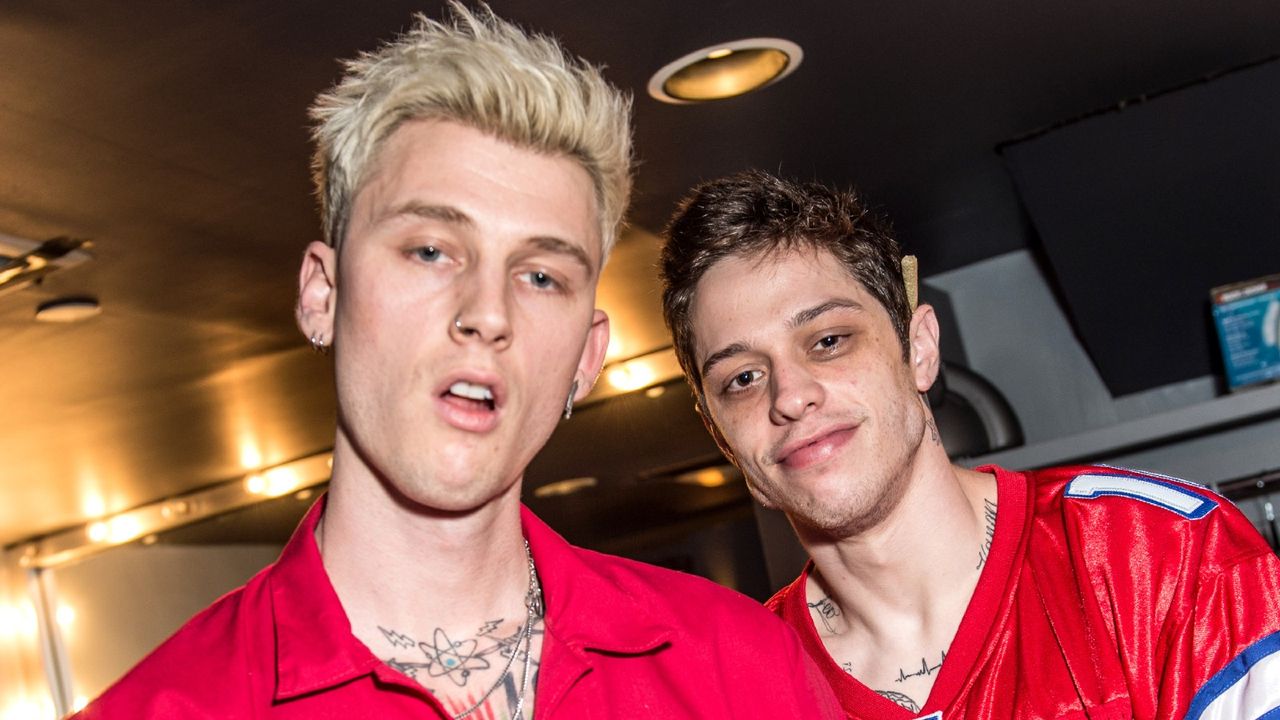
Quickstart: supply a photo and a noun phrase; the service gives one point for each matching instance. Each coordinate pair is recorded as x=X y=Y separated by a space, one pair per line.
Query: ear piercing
x=568 y=403
x=317 y=344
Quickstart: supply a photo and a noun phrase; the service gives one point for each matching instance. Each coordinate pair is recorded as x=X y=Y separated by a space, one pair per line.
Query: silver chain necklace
x=533 y=604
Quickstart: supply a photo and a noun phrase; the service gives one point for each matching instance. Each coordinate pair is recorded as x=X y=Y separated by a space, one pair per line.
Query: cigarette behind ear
x=911 y=278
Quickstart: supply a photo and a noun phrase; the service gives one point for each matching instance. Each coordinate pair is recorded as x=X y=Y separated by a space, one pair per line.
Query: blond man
x=473 y=178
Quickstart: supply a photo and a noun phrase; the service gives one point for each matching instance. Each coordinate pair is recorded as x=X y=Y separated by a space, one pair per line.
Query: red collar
x=587 y=609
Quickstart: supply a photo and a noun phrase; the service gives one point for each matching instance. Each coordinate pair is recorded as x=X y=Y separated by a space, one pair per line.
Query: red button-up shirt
x=623 y=640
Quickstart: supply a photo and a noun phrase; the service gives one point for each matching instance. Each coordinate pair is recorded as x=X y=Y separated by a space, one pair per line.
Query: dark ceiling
x=172 y=134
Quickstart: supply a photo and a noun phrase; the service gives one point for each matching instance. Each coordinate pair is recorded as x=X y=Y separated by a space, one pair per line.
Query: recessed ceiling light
x=66 y=310
x=725 y=70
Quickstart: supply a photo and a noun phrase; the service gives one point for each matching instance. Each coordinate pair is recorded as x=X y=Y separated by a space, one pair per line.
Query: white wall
x=24 y=692
x=127 y=600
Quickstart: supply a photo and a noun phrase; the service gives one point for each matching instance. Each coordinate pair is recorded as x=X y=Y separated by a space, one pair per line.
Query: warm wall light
x=725 y=70
x=250 y=455
x=97 y=531
x=123 y=528
x=631 y=375
x=26 y=709
x=147 y=520
x=65 y=615
x=615 y=347
x=564 y=487
x=645 y=371
x=92 y=504
x=707 y=477
x=18 y=621
x=282 y=481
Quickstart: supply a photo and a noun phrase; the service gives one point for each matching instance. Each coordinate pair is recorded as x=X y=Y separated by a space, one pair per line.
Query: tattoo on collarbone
x=456 y=660
x=499 y=705
x=902 y=700
x=925 y=669
x=825 y=609
x=989 y=535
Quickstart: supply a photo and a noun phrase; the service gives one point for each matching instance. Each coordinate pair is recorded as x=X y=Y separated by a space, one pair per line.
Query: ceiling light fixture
x=725 y=70
x=68 y=310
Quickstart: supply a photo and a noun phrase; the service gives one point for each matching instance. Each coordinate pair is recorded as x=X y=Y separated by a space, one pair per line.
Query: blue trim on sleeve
x=1272 y=714
x=1233 y=673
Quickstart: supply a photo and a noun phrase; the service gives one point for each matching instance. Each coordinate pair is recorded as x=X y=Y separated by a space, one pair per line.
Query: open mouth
x=481 y=396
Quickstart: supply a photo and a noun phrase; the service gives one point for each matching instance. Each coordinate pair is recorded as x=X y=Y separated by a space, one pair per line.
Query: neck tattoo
x=827 y=611
x=989 y=514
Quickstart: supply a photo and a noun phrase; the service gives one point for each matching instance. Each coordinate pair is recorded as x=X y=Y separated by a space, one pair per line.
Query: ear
x=593 y=353
x=925 y=360
x=317 y=292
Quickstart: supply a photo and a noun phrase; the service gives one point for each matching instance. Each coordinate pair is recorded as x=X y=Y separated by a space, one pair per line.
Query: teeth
x=474 y=392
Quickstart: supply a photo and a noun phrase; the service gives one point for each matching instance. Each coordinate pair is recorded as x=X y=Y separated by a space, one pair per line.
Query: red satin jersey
x=1107 y=593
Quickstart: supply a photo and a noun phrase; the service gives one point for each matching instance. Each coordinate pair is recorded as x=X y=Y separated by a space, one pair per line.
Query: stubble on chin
x=866 y=502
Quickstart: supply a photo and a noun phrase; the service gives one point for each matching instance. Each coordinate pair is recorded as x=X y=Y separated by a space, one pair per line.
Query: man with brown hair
x=934 y=590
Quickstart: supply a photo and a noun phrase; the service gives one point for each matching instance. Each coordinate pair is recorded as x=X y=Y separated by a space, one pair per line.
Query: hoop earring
x=568 y=403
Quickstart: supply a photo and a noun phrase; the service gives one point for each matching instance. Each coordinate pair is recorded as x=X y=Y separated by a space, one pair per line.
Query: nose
x=483 y=313
x=795 y=393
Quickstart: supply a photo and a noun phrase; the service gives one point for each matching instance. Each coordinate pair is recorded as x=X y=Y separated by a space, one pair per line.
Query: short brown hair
x=756 y=214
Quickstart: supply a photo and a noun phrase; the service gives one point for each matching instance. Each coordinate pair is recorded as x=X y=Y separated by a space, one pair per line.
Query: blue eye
x=429 y=253
x=542 y=280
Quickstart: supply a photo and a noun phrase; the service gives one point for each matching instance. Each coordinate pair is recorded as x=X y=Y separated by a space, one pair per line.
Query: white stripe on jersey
x=1248 y=687
x=1162 y=494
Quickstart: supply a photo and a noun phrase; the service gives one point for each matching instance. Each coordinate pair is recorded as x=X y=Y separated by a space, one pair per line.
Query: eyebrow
x=443 y=213
x=721 y=355
x=555 y=245
x=800 y=318
x=810 y=314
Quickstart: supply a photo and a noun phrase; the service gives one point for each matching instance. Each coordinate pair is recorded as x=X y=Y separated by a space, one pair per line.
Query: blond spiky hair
x=478 y=70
